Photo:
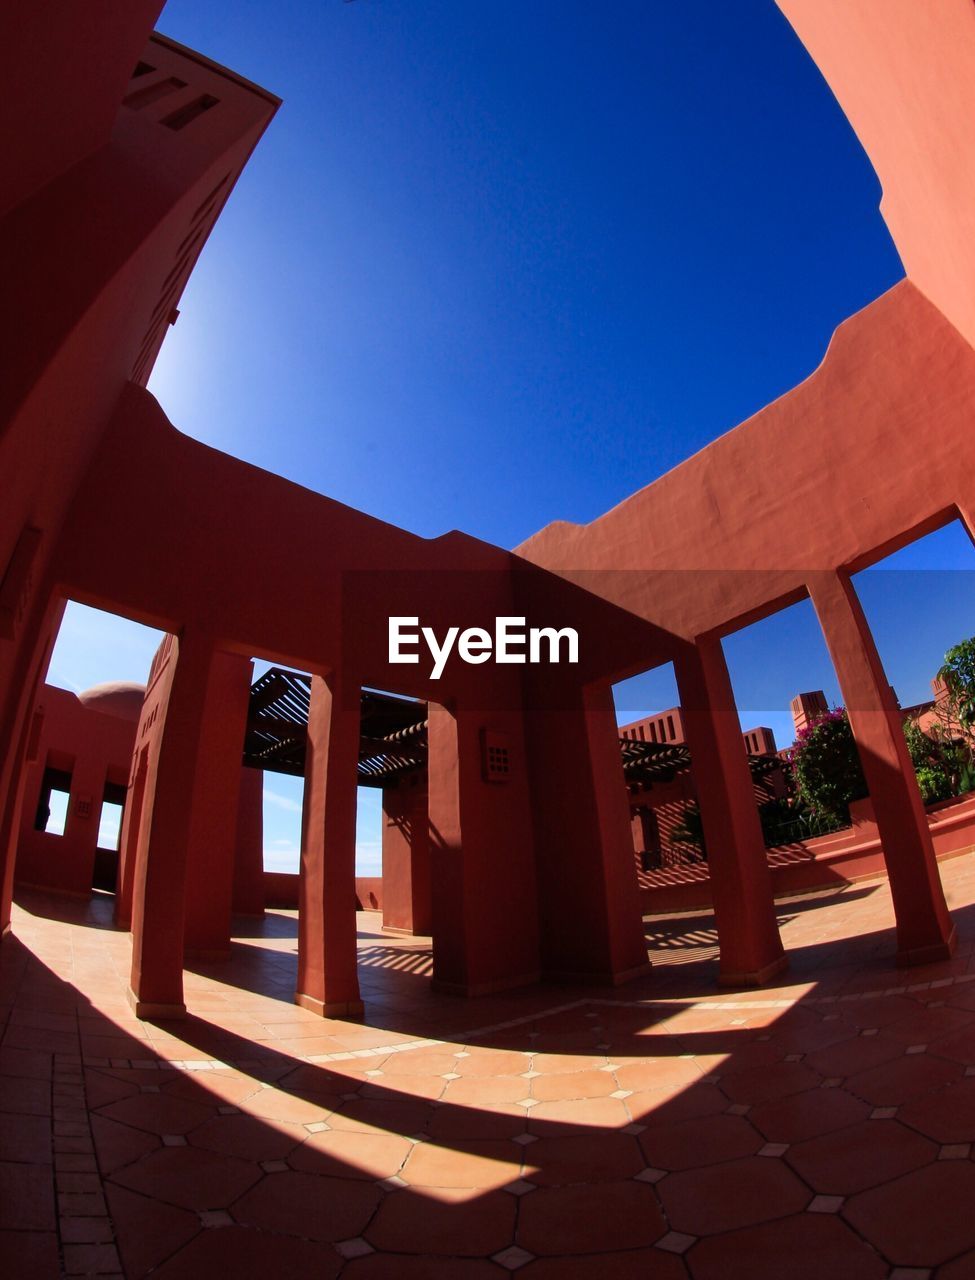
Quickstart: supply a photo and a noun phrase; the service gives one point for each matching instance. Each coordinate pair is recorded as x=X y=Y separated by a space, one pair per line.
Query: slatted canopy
x=394 y=737
x=645 y=763
x=393 y=730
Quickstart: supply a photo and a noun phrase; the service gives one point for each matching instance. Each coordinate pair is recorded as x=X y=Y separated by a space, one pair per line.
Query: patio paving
x=666 y=1129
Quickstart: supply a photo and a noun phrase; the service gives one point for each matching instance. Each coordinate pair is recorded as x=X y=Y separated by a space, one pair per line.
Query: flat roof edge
x=159 y=38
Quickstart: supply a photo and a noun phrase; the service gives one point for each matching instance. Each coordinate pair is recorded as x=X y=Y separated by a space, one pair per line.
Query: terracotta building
x=123 y=149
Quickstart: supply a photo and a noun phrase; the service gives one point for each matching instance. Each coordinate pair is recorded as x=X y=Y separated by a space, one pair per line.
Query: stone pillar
x=131 y=836
x=172 y=806
x=925 y=931
x=586 y=865
x=249 y=862
x=741 y=885
x=406 y=858
x=485 y=921
x=328 y=981
x=80 y=838
x=216 y=792
x=20 y=678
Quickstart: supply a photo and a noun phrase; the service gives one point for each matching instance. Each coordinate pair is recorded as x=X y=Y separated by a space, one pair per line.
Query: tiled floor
x=818 y=1128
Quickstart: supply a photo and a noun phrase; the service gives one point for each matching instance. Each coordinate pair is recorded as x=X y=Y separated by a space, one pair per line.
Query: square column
x=173 y=807
x=213 y=833
x=328 y=981
x=741 y=884
x=406 y=858
x=248 y=899
x=925 y=931
x=485 y=921
x=591 y=925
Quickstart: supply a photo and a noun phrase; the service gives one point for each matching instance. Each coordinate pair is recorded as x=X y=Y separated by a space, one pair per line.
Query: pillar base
x=930 y=954
x=471 y=989
x=151 y=1010
x=754 y=977
x=330 y=1008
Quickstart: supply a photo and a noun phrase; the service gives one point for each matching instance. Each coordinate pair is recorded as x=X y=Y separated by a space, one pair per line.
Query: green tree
x=958 y=674
x=826 y=766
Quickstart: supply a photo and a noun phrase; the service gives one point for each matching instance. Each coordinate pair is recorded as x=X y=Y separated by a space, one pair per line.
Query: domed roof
x=122 y=698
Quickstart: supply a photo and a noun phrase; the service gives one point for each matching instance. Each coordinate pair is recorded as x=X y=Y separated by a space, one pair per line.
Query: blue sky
x=499 y=263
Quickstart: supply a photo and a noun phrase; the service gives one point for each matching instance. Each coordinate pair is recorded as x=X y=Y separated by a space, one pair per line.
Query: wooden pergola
x=393 y=738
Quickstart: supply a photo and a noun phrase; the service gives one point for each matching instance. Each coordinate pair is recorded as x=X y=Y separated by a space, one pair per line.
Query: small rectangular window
x=186 y=115
x=140 y=98
x=670 y=726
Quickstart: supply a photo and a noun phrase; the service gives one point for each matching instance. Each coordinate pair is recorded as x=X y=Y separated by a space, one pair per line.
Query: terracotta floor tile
x=379 y=1266
x=456 y=1217
x=29 y=1255
x=959 y=1047
x=303 y=1204
x=452 y=1223
x=851 y=1056
x=807 y=1114
x=815 y=1245
x=356 y=1155
x=919 y=1220
x=157 y=1113
x=906 y=1077
x=602 y=1218
x=209 y=1088
x=389 y=1115
x=274 y=1104
x=556 y=1063
x=860 y=1156
x=147 y=1231
x=24 y=1064
x=189 y=1177
x=416 y=1086
x=598 y=1156
x=418 y=1062
x=101 y=1089
x=25 y=1138
x=449 y=1124
x=248 y=1138
x=723 y=1197
x=661 y=1107
x=26 y=1197
x=658 y=1074
x=635 y=1264
x=576 y=1084
x=706 y=1140
x=947 y=1115
x=765 y=1084
x=247 y=1254
x=929 y=1026
x=25 y=1096
x=117 y=1145
x=578 y=1114
x=962 y=1268
x=464 y=1164
x=485 y=1091
x=490 y=1062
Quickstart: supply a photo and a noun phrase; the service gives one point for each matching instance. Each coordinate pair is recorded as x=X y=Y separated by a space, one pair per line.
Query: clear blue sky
x=497 y=263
